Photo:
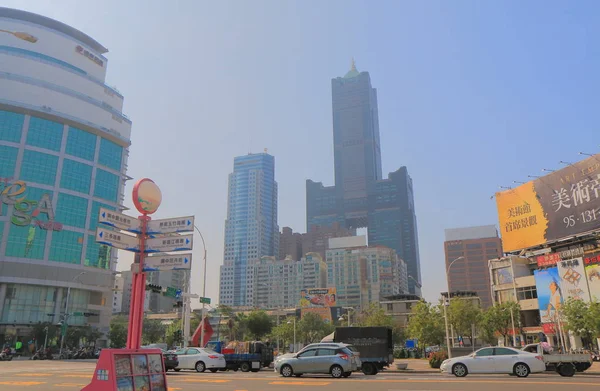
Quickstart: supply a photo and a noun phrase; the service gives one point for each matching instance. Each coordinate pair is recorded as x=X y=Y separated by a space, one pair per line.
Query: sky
x=472 y=95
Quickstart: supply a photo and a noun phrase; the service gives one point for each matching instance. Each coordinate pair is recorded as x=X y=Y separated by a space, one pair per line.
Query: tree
x=117 y=333
x=582 y=318
x=39 y=332
x=374 y=316
x=497 y=320
x=153 y=331
x=426 y=324
x=463 y=314
x=259 y=324
x=312 y=328
x=284 y=332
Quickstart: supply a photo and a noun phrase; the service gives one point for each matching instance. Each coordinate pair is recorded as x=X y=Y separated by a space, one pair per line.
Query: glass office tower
x=251 y=229
x=63 y=154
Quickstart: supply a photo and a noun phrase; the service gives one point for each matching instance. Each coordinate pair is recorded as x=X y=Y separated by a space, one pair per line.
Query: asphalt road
x=74 y=375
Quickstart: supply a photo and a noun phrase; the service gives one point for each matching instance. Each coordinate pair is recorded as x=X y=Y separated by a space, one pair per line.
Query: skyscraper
x=360 y=197
x=251 y=229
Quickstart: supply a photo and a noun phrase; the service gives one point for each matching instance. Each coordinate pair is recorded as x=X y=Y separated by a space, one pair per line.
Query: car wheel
x=213 y=370
x=347 y=374
x=336 y=371
x=200 y=367
x=521 y=370
x=566 y=370
x=245 y=367
x=459 y=370
x=287 y=371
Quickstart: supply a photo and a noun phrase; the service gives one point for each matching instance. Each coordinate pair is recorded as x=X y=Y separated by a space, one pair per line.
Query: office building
x=468 y=250
x=63 y=154
x=127 y=277
x=360 y=196
x=399 y=307
x=277 y=283
x=158 y=303
x=251 y=229
x=290 y=244
x=363 y=275
x=316 y=240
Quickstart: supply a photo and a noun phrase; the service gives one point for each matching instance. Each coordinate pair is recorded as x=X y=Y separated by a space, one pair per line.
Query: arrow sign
x=168 y=262
x=119 y=220
x=117 y=239
x=169 y=244
x=174 y=225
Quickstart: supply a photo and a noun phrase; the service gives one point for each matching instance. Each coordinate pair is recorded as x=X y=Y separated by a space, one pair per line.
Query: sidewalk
x=422 y=366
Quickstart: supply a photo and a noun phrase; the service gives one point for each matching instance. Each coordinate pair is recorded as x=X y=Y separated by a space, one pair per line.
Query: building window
x=66 y=247
x=527 y=293
x=71 y=210
x=107 y=185
x=81 y=144
x=11 y=126
x=76 y=176
x=111 y=154
x=474 y=246
x=45 y=134
x=39 y=167
x=26 y=242
x=8 y=160
x=390 y=307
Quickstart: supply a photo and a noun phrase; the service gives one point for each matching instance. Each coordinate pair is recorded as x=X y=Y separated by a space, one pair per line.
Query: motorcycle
x=6 y=355
x=42 y=354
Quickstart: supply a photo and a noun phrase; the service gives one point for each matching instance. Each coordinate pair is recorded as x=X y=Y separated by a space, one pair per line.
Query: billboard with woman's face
x=549 y=293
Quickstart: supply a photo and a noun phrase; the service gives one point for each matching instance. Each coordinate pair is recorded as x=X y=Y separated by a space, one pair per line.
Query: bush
x=437 y=358
x=399 y=353
x=418 y=353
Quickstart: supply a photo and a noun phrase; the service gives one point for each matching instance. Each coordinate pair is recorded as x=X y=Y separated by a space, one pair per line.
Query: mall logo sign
x=27 y=212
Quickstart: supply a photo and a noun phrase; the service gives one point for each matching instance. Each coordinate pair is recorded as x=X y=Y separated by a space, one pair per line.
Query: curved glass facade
x=63 y=153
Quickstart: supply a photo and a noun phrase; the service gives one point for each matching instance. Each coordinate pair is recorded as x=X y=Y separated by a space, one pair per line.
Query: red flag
x=208 y=332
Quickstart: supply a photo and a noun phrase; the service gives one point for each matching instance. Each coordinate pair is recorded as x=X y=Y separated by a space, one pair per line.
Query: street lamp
x=294 y=332
x=67 y=315
x=448 y=303
x=512 y=322
x=348 y=309
x=203 y=292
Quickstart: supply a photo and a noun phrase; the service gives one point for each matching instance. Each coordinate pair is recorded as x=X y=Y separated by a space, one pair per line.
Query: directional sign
x=117 y=239
x=169 y=244
x=119 y=220
x=174 y=225
x=168 y=262
x=205 y=300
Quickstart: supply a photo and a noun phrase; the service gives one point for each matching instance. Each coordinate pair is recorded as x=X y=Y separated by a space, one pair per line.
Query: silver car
x=338 y=360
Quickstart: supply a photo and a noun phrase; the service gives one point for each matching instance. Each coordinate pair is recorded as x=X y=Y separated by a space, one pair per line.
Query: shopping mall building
x=63 y=154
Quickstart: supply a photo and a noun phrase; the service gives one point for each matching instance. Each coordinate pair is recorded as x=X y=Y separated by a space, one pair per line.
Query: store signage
x=86 y=53
x=26 y=211
x=548 y=259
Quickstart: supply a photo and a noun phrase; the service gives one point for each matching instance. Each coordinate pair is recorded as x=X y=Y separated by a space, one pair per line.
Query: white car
x=200 y=359
x=495 y=360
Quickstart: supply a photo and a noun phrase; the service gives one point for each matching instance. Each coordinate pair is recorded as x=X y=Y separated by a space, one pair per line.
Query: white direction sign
x=117 y=239
x=119 y=220
x=168 y=262
x=174 y=225
x=169 y=244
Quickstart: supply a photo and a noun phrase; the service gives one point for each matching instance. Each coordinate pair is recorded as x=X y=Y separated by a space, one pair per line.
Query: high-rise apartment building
x=363 y=275
x=290 y=244
x=277 y=284
x=468 y=250
x=63 y=154
x=360 y=197
x=316 y=240
x=251 y=229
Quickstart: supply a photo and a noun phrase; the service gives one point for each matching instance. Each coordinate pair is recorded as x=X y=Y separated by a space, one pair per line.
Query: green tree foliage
x=463 y=315
x=497 y=320
x=173 y=336
x=118 y=333
x=153 y=331
x=374 y=316
x=312 y=328
x=284 y=332
x=39 y=333
x=582 y=318
x=426 y=324
x=259 y=324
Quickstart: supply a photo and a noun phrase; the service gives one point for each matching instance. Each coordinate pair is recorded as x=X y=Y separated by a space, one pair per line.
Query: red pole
x=138 y=294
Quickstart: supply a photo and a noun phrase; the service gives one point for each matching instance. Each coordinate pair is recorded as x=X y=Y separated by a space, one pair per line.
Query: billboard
x=573 y=281
x=323 y=312
x=561 y=204
x=317 y=298
x=549 y=294
x=592 y=273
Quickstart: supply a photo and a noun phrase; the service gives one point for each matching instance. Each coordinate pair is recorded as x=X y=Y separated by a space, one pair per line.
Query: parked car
x=495 y=360
x=336 y=359
x=170 y=359
x=200 y=359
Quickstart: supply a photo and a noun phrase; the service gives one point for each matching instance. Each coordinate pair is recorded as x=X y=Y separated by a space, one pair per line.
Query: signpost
x=120 y=369
x=168 y=262
x=205 y=300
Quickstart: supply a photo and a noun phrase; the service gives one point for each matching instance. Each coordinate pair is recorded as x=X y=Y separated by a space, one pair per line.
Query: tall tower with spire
x=360 y=196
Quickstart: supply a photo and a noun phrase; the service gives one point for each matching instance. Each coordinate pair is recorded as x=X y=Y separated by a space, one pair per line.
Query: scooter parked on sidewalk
x=6 y=355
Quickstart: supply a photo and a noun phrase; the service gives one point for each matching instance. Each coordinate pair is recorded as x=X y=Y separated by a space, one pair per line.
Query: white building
x=362 y=274
x=117 y=305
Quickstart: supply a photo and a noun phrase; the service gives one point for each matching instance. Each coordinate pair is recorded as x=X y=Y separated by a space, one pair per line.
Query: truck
x=245 y=356
x=565 y=364
x=374 y=344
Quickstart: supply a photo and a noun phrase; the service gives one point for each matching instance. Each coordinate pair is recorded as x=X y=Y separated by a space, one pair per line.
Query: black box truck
x=374 y=344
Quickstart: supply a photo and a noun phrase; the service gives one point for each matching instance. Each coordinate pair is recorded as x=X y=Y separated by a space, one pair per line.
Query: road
x=74 y=375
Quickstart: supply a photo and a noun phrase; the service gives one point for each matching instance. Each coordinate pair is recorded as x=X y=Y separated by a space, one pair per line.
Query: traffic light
x=179 y=304
x=154 y=288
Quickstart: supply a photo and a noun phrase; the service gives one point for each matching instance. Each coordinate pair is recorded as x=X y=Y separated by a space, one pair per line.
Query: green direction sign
x=63 y=329
x=205 y=300
x=77 y=313
x=171 y=292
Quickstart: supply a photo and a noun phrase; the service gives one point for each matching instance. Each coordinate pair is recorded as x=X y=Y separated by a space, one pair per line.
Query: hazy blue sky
x=472 y=95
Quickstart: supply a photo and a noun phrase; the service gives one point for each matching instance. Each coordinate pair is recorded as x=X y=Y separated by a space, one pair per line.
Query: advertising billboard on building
x=592 y=272
x=549 y=294
x=573 y=281
x=323 y=312
x=317 y=298
x=561 y=204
